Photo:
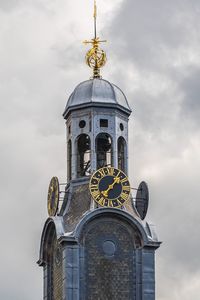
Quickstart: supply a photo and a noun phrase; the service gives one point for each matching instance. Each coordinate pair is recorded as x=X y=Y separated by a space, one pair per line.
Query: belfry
x=96 y=243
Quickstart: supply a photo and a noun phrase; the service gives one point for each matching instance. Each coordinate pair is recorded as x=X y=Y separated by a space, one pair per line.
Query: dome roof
x=97 y=92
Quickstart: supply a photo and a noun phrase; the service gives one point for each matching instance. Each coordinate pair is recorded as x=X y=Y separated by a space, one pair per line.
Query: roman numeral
x=124 y=196
x=110 y=204
x=94 y=187
x=94 y=179
x=124 y=180
x=119 y=203
x=126 y=188
x=101 y=201
x=111 y=171
x=95 y=194
x=121 y=200
x=102 y=172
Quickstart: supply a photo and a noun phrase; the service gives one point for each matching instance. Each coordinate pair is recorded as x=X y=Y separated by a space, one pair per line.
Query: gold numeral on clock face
x=124 y=180
x=110 y=203
x=126 y=188
x=124 y=196
x=96 y=194
x=119 y=202
x=102 y=172
x=101 y=201
x=111 y=171
x=95 y=179
x=94 y=187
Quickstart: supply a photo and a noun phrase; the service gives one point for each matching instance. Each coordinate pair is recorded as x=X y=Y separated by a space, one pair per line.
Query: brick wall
x=109 y=261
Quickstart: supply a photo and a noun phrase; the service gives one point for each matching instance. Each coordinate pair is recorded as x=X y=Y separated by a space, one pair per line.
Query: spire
x=95 y=57
x=95 y=19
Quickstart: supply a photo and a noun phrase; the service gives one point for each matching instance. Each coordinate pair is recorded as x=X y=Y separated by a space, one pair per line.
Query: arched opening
x=114 y=242
x=53 y=283
x=69 y=160
x=121 y=146
x=83 y=155
x=103 y=150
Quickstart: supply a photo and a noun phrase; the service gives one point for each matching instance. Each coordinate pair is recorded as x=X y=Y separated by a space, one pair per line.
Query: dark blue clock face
x=110 y=187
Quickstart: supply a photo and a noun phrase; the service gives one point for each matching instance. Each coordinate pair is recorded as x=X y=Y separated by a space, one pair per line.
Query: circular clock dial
x=110 y=187
x=142 y=199
x=53 y=196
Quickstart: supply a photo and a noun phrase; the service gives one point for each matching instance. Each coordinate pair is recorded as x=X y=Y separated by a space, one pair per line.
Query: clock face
x=109 y=187
x=53 y=196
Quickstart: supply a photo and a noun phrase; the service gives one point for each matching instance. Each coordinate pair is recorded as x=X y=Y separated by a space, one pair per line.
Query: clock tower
x=96 y=243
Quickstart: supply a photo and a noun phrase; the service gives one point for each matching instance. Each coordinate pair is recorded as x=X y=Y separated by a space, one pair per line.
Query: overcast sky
x=153 y=54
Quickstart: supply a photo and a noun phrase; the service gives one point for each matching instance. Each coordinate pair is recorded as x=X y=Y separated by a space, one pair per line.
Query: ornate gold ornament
x=110 y=187
x=95 y=57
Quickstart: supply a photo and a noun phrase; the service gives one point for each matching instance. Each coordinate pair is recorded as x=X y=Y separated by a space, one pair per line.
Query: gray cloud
x=191 y=90
x=152 y=32
x=9 y=5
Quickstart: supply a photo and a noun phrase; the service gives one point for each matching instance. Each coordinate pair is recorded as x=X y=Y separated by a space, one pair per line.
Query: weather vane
x=95 y=57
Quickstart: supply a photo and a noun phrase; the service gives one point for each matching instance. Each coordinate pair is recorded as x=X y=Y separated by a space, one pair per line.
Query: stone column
x=45 y=282
x=148 y=273
x=70 y=270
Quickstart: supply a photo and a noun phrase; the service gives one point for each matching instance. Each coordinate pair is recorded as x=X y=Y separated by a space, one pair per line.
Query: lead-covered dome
x=97 y=92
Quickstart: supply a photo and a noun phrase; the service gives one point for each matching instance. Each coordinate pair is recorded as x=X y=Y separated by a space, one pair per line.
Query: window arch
x=121 y=147
x=108 y=237
x=53 y=283
x=103 y=150
x=83 y=155
x=69 y=160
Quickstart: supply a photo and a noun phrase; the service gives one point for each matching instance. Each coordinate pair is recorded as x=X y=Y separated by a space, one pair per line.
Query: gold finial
x=95 y=57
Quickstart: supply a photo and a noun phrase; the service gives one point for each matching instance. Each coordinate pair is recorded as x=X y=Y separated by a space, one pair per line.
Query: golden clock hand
x=110 y=187
x=105 y=193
